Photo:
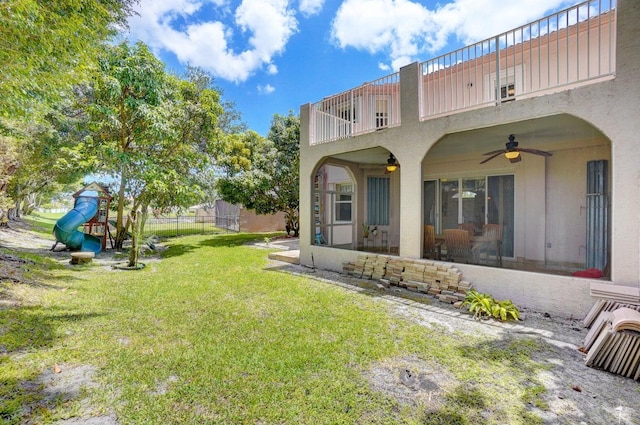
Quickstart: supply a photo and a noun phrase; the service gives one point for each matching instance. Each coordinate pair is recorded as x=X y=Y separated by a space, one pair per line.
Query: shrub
x=484 y=306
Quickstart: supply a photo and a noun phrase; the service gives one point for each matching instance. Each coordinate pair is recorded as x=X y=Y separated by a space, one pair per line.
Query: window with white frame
x=511 y=84
x=349 y=110
x=343 y=201
x=382 y=111
x=508 y=88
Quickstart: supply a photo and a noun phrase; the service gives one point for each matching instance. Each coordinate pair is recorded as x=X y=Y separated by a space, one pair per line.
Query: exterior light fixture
x=512 y=153
x=392 y=163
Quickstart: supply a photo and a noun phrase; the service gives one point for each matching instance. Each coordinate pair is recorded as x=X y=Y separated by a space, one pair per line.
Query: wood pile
x=613 y=343
x=623 y=294
x=443 y=281
x=602 y=306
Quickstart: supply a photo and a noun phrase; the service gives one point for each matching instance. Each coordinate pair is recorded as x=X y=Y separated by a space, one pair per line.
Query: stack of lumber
x=623 y=294
x=614 y=342
x=610 y=297
x=602 y=306
x=442 y=281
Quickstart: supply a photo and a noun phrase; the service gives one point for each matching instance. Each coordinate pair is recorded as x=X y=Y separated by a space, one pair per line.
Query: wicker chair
x=458 y=245
x=490 y=243
x=469 y=227
x=431 y=248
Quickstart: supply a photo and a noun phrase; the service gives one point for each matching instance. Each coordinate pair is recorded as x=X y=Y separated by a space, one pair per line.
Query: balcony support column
x=411 y=206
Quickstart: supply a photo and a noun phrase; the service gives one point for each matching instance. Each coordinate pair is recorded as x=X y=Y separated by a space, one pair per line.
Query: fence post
x=177 y=226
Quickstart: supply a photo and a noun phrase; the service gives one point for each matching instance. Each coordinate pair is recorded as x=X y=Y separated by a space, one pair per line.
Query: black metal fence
x=190 y=225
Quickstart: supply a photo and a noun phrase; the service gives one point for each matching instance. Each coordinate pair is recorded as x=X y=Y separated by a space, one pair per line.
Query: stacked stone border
x=442 y=281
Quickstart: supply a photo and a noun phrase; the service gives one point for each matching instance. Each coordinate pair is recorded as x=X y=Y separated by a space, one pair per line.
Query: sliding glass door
x=501 y=208
x=474 y=201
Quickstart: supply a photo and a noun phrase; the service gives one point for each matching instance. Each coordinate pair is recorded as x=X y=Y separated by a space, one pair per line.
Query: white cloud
x=266 y=89
x=311 y=7
x=272 y=69
x=408 y=31
x=383 y=66
x=172 y=26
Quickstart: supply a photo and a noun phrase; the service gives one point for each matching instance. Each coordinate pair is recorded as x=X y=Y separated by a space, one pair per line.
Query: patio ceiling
x=548 y=133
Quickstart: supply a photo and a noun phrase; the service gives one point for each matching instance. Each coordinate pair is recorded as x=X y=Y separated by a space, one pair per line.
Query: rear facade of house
x=566 y=88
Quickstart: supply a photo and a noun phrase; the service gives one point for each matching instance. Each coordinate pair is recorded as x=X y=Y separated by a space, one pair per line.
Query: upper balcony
x=559 y=52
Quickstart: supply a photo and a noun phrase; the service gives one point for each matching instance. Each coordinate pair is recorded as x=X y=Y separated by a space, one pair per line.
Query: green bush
x=484 y=306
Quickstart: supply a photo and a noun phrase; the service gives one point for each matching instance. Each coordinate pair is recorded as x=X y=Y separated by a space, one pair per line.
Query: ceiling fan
x=391 y=165
x=512 y=151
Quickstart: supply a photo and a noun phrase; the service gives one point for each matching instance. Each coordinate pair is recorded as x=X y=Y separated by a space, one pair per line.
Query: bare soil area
x=575 y=393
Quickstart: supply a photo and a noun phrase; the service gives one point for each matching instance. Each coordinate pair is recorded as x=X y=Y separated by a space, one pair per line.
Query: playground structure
x=91 y=210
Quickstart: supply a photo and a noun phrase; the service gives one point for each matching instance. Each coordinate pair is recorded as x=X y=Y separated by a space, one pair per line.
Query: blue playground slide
x=66 y=228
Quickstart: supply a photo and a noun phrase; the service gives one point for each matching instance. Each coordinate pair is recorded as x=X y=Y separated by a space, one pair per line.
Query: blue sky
x=271 y=56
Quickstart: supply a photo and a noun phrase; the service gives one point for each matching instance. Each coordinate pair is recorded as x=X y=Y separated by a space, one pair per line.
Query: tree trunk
x=134 y=218
x=121 y=231
x=30 y=203
x=14 y=213
x=293 y=221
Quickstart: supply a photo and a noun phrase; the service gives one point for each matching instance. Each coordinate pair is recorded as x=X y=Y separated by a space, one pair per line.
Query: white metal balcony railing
x=561 y=51
x=370 y=107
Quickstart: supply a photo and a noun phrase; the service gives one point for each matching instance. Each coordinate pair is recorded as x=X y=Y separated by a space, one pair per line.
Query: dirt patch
x=574 y=393
x=63 y=383
x=411 y=381
x=20 y=238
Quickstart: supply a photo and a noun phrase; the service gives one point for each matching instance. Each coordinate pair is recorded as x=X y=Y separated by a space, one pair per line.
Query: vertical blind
x=597 y=215
x=378 y=201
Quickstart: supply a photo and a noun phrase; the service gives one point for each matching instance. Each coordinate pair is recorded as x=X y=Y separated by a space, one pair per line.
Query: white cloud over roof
x=236 y=39
x=406 y=30
x=174 y=26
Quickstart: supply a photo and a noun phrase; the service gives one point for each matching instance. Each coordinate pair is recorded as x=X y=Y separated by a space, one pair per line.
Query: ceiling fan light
x=512 y=154
x=392 y=163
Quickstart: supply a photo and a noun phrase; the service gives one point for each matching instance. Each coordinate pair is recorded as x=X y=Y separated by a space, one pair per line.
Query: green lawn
x=42 y=222
x=209 y=335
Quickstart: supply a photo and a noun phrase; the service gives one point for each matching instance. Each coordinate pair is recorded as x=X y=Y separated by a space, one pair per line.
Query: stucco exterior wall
x=610 y=107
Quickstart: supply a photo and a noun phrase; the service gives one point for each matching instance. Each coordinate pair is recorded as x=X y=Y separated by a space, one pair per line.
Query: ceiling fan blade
x=500 y=152
x=535 y=151
x=493 y=152
x=516 y=159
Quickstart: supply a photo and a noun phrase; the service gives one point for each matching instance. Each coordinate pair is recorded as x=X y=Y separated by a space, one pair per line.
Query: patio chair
x=490 y=243
x=469 y=227
x=431 y=248
x=458 y=245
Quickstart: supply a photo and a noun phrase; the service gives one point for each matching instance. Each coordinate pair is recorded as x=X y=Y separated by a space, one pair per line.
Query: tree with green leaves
x=46 y=47
x=53 y=157
x=123 y=110
x=263 y=174
x=152 y=131
x=167 y=173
